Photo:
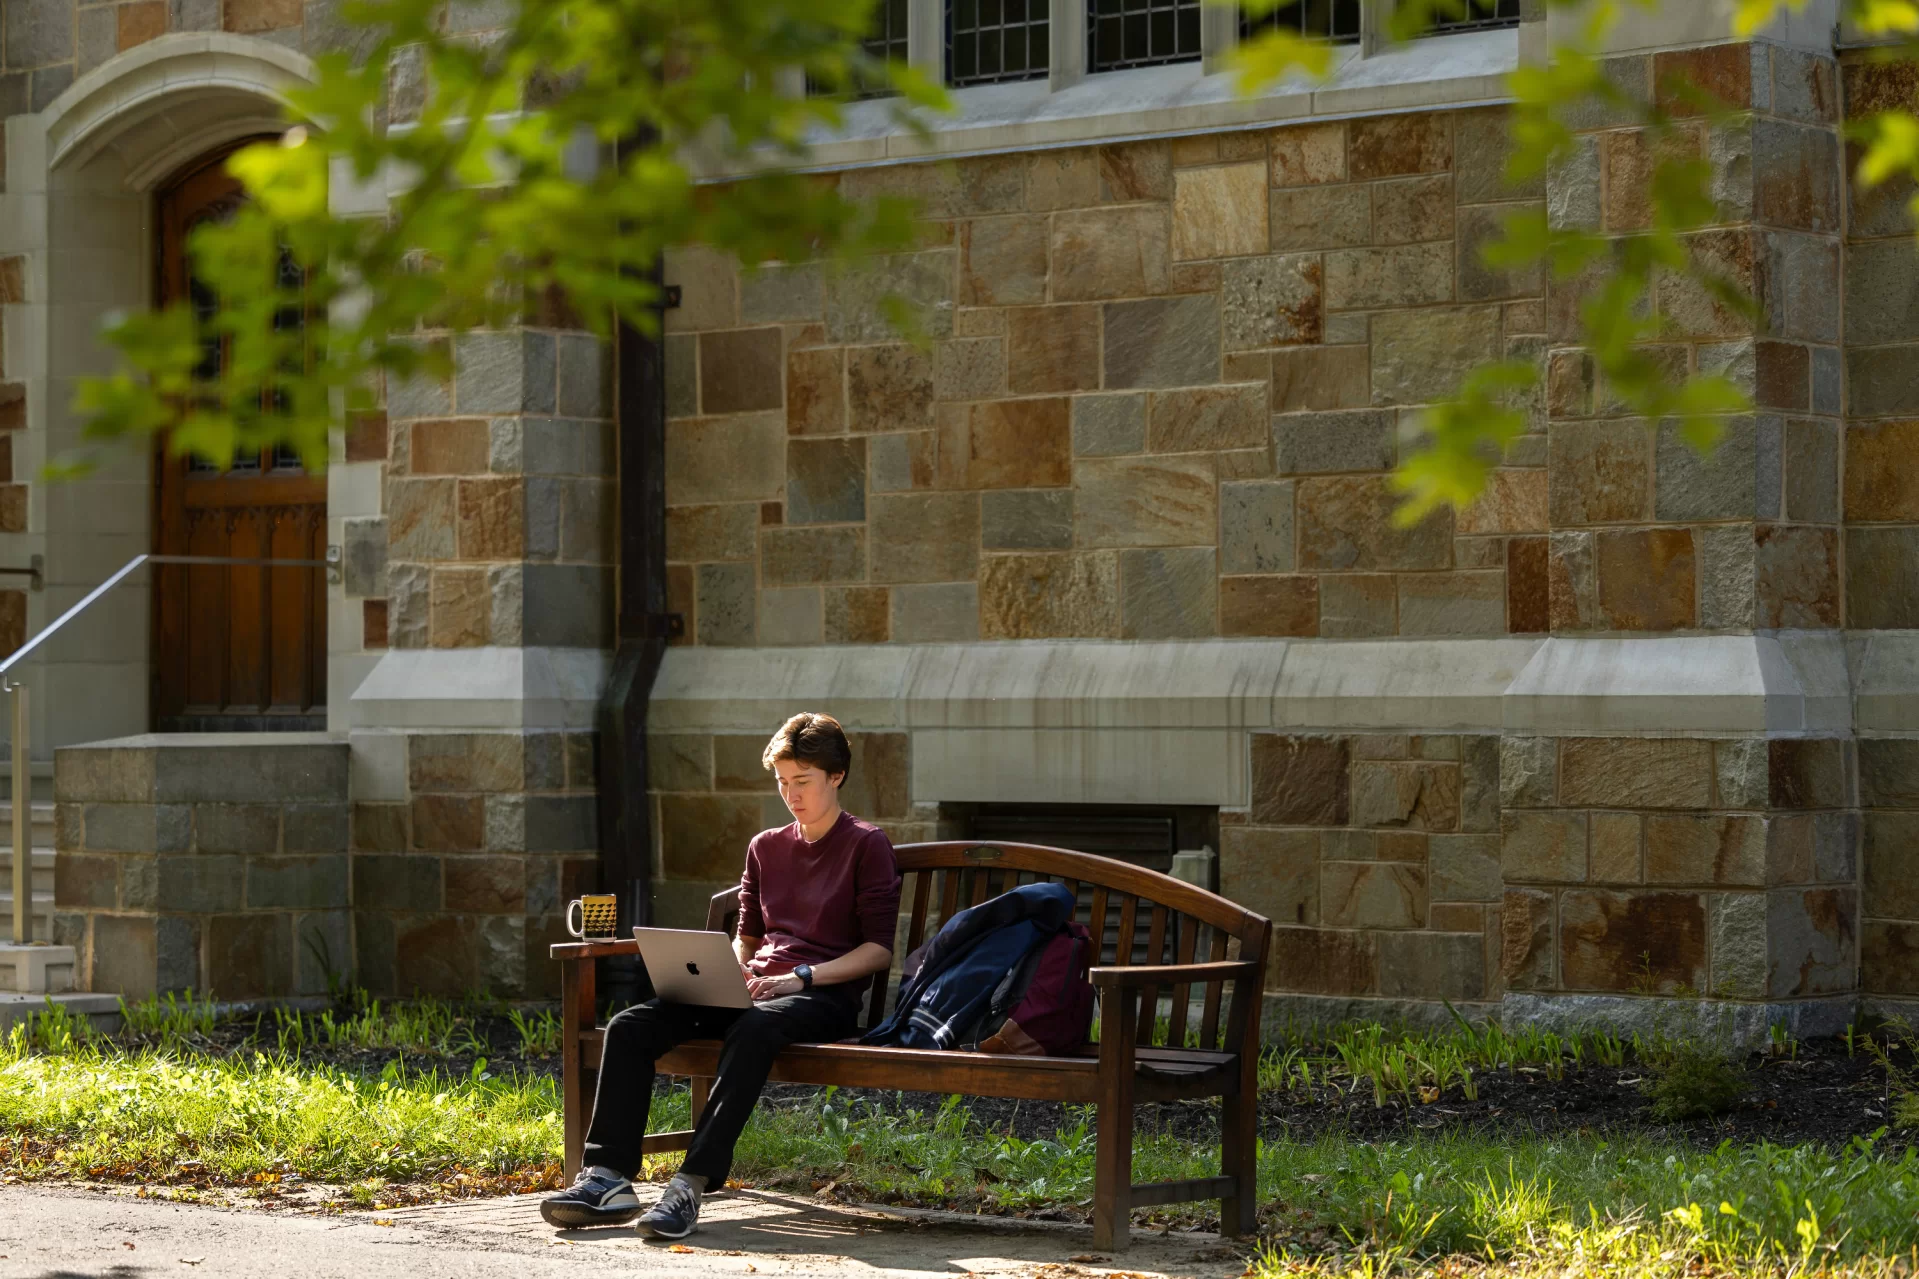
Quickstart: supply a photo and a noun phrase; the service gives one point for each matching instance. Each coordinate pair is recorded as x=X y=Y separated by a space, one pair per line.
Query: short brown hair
x=812 y=739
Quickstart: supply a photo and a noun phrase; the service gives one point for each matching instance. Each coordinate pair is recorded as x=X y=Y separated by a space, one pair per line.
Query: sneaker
x=597 y=1197
x=675 y=1215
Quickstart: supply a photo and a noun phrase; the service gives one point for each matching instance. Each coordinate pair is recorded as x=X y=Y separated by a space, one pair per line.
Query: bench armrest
x=593 y=949
x=1134 y=977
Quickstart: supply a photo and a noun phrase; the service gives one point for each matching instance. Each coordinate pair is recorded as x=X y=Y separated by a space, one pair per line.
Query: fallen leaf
x=678 y=1247
x=1087 y=1256
x=128 y=1245
x=191 y=1261
x=383 y=1221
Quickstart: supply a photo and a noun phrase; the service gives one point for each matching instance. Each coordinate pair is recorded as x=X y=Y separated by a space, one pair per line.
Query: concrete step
x=40 y=863
x=39 y=822
x=40 y=776
x=102 y=1010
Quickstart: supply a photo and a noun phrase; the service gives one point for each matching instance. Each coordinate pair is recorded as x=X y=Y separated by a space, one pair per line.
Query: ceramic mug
x=599 y=916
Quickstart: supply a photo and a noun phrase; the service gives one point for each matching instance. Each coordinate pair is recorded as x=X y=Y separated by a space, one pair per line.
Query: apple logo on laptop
x=693 y=968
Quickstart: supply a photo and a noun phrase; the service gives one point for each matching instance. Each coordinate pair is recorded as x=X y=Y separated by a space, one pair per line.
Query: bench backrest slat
x=1160 y=920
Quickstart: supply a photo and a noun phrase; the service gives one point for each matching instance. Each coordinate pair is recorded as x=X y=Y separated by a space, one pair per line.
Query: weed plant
x=1689 y=1079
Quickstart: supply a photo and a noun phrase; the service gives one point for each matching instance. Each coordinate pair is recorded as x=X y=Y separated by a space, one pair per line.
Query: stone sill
x=1468 y=69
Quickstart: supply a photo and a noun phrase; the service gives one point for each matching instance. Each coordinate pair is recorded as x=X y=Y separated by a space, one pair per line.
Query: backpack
x=1055 y=1015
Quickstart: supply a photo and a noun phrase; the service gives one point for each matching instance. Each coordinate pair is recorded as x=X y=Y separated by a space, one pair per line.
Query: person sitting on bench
x=819 y=902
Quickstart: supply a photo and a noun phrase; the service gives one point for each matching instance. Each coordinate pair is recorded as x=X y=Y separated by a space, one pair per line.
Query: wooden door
x=235 y=647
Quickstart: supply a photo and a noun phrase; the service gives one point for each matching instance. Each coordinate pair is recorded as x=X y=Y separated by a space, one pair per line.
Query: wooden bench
x=1170 y=938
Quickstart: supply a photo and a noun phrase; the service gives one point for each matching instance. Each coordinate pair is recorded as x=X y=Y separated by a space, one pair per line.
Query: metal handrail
x=17 y=694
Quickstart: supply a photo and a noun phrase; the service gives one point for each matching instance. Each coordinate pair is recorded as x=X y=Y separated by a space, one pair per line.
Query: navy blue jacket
x=976 y=969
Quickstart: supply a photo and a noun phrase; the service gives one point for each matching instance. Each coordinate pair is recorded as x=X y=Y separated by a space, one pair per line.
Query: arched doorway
x=234 y=647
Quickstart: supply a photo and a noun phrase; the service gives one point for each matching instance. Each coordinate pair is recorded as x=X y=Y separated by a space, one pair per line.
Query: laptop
x=693 y=967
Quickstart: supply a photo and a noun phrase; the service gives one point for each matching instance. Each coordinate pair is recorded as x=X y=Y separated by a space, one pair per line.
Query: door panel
x=236 y=647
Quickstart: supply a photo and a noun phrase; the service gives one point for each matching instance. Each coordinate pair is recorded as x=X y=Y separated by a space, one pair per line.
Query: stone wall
x=1164 y=389
x=212 y=862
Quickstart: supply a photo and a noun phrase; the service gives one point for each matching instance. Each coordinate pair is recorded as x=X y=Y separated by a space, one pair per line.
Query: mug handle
x=576 y=904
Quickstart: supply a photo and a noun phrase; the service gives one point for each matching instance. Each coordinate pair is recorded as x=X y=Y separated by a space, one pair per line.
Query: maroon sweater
x=815 y=902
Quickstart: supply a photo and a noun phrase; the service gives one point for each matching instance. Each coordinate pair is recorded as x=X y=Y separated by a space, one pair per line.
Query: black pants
x=751 y=1037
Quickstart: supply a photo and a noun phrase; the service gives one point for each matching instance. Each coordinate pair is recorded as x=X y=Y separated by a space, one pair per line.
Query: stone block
x=739 y=764
x=1052 y=348
x=856 y=614
x=1690 y=307
x=924 y=537
x=236 y=828
x=1547 y=846
x=1345 y=522
x=86 y=881
x=857 y=307
x=1026 y=520
x=494 y=515
x=1481 y=143
x=942 y=613
x=1803 y=283
x=1881 y=483
x=1108 y=425
x=1513 y=501
x=726 y=604
x=709 y=288
x=448 y=823
x=1882 y=380
x=197 y=885
x=1308 y=155
x=1433 y=965
x=1006 y=444
x=1465 y=868
x=888 y=388
x=1813 y=941
x=1406 y=795
x=421 y=519
x=878 y=785
x=1631 y=772
x=503 y=373
x=705 y=836
x=1219 y=212
x=777 y=293
x=1272 y=872
x=1299 y=781
x=1528 y=771
x=1601 y=472
x=1647 y=579
x=825 y=481
x=1401 y=275
x=815 y=391
x=1642 y=942
x=1110 y=253
x=1003 y=261
x=1357 y=605
x=1737 y=477
x=1797 y=571
x=800 y=556
x=1316 y=378
x=740 y=371
x=1372 y=895
x=448 y=446
x=1478 y=783
x=725 y=459
x=1162 y=342
x=1795 y=176
x=726 y=532
x=1420 y=356
x=945 y=189
x=1804 y=86
x=679 y=761
x=1412 y=210
x=1269 y=301
x=1145 y=501
x=1063 y=179
x=1528 y=949
x=570 y=604
x=1738 y=945
x=1320 y=217
x=1169 y=593
x=1049 y=595
x=1136 y=171
x=1256 y=527
x=249 y=956
x=1324 y=961
x=1692 y=82
x=1472 y=603
x=790 y=615
x=1812 y=473
x=136 y=828
x=1389 y=146
x=1615 y=857
x=1706 y=850
x=1888 y=957
x=379 y=828
x=1882 y=577
x=1727 y=576
x=1205 y=419
x=1323 y=443
x=1480 y=280
x=1271 y=606
x=1808 y=772
x=1573 y=187
x=460 y=608
x=1889 y=773
x=562 y=823
x=969 y=368
x=309 y=882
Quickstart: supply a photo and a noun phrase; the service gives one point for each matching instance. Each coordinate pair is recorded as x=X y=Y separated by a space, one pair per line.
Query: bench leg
x=700 y=1085
x=1113 y=1161
x=1239 y=1159
x=577 y=1018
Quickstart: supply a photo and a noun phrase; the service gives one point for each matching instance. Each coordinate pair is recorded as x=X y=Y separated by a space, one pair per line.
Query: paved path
x=61 y=1234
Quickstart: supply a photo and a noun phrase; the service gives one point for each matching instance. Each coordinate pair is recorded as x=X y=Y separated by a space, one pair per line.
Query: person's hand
x=773 y=987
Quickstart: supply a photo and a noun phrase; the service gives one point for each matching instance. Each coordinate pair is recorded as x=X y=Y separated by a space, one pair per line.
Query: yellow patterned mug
x=599 y=916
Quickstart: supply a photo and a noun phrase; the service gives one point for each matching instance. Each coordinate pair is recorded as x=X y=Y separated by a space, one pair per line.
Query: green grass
x=157 y=1108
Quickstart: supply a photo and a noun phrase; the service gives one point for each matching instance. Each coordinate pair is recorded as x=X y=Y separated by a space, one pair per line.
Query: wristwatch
x=805 y=973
